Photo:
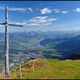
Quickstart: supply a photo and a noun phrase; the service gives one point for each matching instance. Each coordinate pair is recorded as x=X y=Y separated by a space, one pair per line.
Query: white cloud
x=20 y=9
x=52 y=19
x=17 y=9
x=60 y=11
x=30 y=9
x=77 y=10
x=1 y=25
x=45 y=11
x=56 y=10
x=39 y=21
x=2 y=8
x=64 y=12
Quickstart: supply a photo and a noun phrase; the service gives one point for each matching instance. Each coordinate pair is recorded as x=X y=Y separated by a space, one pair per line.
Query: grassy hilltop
x=55 y=69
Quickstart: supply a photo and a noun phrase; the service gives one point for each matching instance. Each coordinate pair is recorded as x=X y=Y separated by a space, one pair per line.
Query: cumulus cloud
x=39 y=21
x=45 y=11
x=77 y=10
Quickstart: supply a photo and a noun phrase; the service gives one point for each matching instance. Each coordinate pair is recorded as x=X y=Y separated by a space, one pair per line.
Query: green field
x=55 y=69
x=66 y=69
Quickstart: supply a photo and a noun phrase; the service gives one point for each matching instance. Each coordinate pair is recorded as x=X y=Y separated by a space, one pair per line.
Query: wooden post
x=6 y=44
x=20 y=72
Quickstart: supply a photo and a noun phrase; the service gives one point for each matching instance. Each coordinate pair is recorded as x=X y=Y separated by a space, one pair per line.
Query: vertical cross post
x=6 y=44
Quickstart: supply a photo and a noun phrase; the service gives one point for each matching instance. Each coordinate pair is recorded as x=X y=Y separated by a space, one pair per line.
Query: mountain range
x=24 y=46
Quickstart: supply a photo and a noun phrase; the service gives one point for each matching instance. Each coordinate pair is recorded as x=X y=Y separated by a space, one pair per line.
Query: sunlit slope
x=47 y=68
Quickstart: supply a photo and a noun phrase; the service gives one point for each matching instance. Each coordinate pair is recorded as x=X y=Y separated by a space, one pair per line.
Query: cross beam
x=6 y=41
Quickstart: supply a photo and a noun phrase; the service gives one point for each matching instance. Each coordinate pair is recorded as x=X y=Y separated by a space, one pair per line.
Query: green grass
x=56 y=69
x=65 y=69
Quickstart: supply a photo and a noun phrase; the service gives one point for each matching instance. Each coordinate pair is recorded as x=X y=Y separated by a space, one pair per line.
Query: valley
x=25 y=46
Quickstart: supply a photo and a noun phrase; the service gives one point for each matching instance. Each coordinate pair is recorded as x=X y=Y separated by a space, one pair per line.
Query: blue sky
x=41 y=15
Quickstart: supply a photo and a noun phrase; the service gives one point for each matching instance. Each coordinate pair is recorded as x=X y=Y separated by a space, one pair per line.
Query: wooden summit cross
x=6 y=41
